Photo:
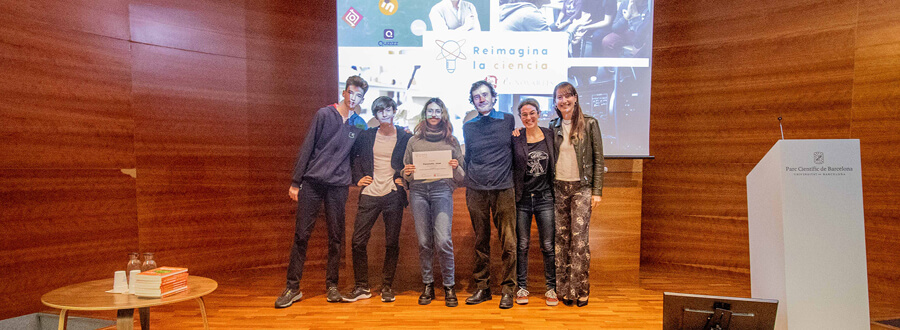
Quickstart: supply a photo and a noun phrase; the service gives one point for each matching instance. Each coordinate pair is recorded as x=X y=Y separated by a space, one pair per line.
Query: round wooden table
x=91 y=296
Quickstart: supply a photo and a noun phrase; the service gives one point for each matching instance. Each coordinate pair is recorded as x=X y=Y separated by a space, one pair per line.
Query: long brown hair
x=445 y=126
x=577 y=116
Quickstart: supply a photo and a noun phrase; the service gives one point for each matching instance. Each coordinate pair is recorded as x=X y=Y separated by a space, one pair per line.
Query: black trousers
x=310 y=199
x=391 y=209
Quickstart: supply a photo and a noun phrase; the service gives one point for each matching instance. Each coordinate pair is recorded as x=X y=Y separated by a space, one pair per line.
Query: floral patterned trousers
x=573 y=252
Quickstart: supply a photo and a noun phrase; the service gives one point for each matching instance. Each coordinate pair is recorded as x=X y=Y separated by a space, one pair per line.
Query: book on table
x=158 y=275
x=157 y=293
x=161 y=282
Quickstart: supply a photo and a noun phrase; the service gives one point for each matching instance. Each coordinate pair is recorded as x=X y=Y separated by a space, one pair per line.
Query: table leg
x=63 y=319
x=125 y=319
x=203 y=313
x=145 y=317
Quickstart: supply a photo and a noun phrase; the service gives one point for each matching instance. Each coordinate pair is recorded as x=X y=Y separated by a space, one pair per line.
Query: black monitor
x=683 y=311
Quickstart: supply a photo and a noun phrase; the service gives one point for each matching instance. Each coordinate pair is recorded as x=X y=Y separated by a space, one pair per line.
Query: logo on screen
x=492 y=79
x=450 y=51
x=389 y=33
x=388 y=7
x=352 y=17
x=819 y=157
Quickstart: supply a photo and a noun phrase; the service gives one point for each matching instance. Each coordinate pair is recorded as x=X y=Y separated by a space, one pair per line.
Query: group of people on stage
x=554 y=175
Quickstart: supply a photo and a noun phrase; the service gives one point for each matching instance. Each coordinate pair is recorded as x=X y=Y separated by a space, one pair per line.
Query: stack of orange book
x=161 y=282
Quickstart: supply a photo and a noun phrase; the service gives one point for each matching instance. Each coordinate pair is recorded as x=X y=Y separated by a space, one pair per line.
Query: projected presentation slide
x=413 y=50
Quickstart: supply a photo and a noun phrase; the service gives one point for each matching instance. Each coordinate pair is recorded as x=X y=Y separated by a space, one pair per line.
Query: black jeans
x=499 y=205
x=540 y=205
x=309 y=201
x=391 y=209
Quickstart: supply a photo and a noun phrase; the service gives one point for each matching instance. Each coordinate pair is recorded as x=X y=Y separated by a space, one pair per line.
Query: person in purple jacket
x=322 y=176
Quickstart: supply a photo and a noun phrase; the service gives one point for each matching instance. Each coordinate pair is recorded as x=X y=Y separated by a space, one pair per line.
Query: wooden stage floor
x=244 y=300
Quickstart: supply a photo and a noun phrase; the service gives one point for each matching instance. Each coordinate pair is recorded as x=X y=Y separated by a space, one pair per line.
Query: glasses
x=433 y=112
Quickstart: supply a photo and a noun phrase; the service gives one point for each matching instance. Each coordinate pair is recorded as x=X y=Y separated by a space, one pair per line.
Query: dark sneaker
x=387 y=295
x=333 y=295
x=357 y=294
x=522 y=296
x=288 y=297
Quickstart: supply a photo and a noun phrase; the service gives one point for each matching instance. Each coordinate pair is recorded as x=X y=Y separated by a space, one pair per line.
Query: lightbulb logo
x=352 y=17
x=388 y=7
x=451 y=50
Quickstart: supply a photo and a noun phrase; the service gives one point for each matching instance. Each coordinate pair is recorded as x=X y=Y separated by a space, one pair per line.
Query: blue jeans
x=432 y=209
x=539 y=205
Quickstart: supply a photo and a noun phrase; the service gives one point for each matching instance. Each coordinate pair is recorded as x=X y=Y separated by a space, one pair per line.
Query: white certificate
x=432 y=165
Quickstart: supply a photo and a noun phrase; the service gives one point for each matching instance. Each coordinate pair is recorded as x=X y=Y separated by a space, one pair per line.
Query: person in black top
x=534 y=159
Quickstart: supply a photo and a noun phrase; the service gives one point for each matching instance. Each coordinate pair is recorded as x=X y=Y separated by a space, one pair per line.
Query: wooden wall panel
x=272 y=215
x=196 y=218
x=102 y=17
x=695 y=214
x=294 y=31
x=65 y=99
x=66 y=207
x=190 y=109
x=61 y=226
x=876 y=122
x=279 y=108
x=723 y=73
x=616 y=225
x=205 y=26
x=192 y=155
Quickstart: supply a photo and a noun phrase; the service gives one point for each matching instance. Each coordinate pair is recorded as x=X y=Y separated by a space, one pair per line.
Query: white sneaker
x=522 y=296
x=551 y=298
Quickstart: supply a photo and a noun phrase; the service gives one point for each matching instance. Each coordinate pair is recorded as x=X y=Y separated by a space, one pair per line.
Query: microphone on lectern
x=782 y=128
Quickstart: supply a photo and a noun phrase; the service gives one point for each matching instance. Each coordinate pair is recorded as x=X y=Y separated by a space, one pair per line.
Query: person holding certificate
x=578 y=187
x=431 y=168
x=534 y=161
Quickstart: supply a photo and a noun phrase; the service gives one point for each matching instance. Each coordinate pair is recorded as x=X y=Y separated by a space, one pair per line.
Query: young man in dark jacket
x=322 y=176
x=376 y=161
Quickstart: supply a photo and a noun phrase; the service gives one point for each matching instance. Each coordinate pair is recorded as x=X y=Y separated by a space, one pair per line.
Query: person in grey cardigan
x=431 y=200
